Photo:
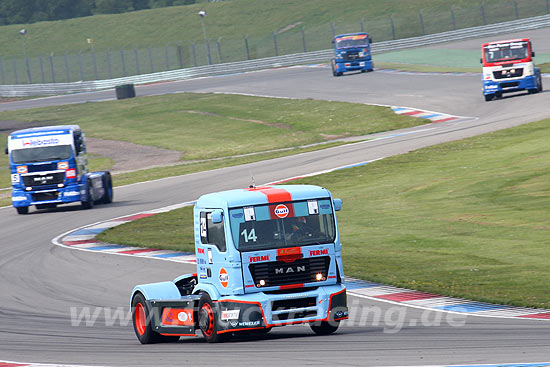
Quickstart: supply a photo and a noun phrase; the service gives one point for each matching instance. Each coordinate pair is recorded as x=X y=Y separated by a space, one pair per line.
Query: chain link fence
x=296 y=38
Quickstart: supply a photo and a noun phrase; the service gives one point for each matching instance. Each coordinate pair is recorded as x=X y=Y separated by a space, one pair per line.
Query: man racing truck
x=352 y=53
x=49 y=167
x=266 y=256
x=508 y=67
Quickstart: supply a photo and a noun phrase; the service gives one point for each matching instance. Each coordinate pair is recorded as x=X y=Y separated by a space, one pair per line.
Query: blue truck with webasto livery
x=352 y=52
x=49 y=167
x=266 y=256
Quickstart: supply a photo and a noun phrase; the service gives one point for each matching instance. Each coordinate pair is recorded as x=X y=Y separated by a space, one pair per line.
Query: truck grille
x=290 y=307
x=297 y=272
x=351 y=55
x=44 y=196
x=509 y=85
x=508 y=73
x=44 y=179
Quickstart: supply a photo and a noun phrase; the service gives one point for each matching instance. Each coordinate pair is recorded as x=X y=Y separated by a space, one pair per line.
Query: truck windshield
x=42 y=154
x=506 y=51
x=273 y=226
x=352 y=41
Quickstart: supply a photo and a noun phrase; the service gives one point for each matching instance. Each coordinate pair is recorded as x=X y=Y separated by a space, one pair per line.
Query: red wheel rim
x=139 y=316
x=207 y=319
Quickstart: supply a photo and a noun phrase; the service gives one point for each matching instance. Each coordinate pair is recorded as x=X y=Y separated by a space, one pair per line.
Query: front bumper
x=67 y=194
x=343 y=66
x=509 y=85
x=263 y=310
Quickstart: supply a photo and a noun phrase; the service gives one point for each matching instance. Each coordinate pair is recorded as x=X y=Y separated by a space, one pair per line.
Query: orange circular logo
x=224 y=278
x=281 y=211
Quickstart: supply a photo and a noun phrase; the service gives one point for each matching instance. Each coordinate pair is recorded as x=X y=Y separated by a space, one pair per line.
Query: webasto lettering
x=40 y=142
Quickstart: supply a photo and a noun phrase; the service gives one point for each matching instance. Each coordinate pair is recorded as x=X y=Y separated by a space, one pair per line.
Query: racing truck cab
x=49 y=167
x=508 y=67
x=352 y=52
x=266 y=257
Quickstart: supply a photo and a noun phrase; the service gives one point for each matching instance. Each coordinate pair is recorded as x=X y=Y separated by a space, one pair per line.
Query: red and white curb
x=84 y=239
x=400 y=110
x=424 y=114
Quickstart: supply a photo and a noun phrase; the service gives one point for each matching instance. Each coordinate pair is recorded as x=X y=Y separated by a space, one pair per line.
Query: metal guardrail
x=271 y=62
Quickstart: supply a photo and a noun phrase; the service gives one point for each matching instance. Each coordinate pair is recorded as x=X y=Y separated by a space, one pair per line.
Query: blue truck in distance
x=266 y=256
x=49 y=167
x=352 y=53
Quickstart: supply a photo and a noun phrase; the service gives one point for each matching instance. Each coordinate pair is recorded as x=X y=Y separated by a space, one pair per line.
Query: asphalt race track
x=41 y=283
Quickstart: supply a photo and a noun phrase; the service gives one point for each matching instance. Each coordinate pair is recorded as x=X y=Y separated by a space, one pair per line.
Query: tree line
x=32 y=11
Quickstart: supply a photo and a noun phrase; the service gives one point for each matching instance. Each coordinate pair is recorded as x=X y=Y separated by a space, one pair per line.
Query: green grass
x=214 y=125
x=465 y=219
x=545 y=68
x=171 y=231
x=184 y=169
x=440 y=60
x=229 y=22
x=238 y=18
x=226 y=124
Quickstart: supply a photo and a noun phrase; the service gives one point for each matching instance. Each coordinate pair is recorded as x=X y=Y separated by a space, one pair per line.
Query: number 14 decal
x=249 y=236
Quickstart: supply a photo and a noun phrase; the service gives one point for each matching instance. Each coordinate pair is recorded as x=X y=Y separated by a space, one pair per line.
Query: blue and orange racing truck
x=266 y=256
x=49 y=167
x=508 y=67
x=352 y=53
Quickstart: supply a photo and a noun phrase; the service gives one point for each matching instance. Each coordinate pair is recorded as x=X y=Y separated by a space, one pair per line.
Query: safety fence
x=323 y=55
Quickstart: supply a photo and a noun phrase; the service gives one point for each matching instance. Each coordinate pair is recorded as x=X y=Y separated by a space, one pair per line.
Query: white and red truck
x=508 y=67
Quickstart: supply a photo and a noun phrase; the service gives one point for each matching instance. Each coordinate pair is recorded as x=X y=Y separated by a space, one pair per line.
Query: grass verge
x=218 y=125
x=184 y=169
x=465 y=219
x=544 y=68
x=206 y=126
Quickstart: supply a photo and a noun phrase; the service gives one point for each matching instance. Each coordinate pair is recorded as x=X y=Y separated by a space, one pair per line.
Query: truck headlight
x=319 y=277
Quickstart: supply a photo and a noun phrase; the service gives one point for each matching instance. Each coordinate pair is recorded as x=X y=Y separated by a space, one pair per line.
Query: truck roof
x=46 y=129
x=351 y=34
x=506 y=41
x=261 y=195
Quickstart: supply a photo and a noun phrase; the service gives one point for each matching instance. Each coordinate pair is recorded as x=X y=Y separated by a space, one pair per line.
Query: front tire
x=22 y=210
x=489 y=97
x=108 y=188
x=142 y=323
x=325 y=327
x=208 y=320
x=89 y=203
x=333 y=65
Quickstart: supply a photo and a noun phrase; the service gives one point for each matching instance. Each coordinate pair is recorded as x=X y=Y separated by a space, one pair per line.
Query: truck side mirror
x=370 y=40
x=332 y=41
x=532 y=53
x=216 y=216
x=481 y=61
x=6 y=150
x=337 y=204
